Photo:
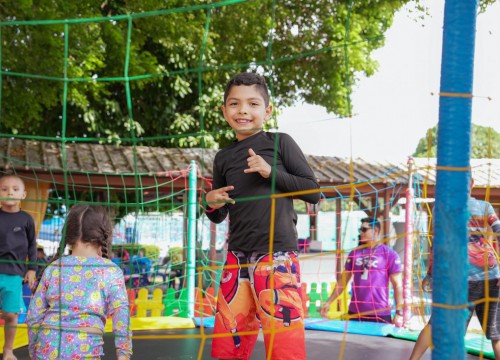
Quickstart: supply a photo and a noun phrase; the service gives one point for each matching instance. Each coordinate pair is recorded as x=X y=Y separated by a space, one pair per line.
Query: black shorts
x=385 y=319
x=477 y=291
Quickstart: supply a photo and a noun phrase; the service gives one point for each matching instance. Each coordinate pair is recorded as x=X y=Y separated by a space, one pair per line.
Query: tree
x=485 y=143
x=312 y=51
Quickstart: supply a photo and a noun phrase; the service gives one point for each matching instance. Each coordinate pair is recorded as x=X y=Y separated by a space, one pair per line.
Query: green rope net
x=107 y=103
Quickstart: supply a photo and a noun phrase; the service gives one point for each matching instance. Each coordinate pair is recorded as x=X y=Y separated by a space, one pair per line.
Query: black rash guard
x=250 y=216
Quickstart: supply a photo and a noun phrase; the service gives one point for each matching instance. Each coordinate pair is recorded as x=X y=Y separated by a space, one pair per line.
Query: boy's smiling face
x=245 y=111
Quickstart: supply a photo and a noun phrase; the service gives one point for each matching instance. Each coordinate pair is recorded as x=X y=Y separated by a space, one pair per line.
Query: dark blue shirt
x=17 y=243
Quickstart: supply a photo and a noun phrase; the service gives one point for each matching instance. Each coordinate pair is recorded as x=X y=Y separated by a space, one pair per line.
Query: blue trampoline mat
x=352 y=327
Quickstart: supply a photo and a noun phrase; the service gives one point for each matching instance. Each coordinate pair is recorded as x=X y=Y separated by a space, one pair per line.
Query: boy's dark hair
x=89 y=224
x=374 y=223
x=6 y=176
x=249 y=79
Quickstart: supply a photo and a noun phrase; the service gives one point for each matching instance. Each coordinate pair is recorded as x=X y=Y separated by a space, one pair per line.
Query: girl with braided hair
x=78 y=292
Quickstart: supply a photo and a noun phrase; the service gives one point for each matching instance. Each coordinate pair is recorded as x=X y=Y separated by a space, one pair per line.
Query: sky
x=394 y=108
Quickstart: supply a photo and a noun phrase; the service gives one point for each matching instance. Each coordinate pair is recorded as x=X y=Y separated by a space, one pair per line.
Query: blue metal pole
x=452 y=183
x=191 y=243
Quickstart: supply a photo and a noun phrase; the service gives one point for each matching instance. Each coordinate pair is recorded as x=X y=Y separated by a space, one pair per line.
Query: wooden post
x=386 y=227
x=35 y=203
x=312 y=210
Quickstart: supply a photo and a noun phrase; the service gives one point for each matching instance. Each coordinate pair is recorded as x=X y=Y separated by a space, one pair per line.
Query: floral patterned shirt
x=77 y=291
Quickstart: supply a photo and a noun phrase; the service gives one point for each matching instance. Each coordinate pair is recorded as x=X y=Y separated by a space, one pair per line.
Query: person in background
x=176 y=265
x=142 y=267
x=483 y=277
x=245 y=175
x=17 y=243
x=77 y=293
x=372 y=266
x=42 y=261
x=123 y=259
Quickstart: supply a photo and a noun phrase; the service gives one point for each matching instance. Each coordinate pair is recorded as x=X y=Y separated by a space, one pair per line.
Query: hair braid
x=95 y=228
x=88 y=224
x=105 y=241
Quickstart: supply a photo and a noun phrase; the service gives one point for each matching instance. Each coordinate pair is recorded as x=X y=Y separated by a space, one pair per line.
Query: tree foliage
x=485 y=143
x=312 y=51
x=483 y=4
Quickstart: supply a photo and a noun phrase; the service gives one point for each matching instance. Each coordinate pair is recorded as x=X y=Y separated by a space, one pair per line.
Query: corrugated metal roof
x=486 y=172
x=38 y=156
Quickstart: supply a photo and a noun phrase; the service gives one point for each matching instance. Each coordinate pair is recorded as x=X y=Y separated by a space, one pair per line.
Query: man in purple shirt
x=372 y=265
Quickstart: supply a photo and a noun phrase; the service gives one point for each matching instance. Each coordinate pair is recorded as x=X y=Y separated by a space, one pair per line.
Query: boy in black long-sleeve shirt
x=17 y=242
x=262 y=273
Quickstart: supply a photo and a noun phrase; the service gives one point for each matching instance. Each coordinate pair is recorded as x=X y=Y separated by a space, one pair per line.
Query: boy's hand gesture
x=257 y=164
x=219 y=197
x=30 y=278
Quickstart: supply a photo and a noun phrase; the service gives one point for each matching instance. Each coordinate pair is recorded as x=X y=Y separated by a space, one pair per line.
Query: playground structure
x=158 y=306
x=139 y=179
